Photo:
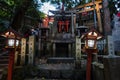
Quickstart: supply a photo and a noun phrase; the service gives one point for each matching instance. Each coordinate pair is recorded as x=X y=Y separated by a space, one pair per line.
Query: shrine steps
x=4 y=59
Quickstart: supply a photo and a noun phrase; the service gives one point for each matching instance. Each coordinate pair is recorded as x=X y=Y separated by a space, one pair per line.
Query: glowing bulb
x=11 y=42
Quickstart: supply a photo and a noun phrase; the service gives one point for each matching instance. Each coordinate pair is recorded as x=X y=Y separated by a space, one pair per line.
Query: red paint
x=63 y=25
x=60 y=26
x=89 y=62
x=67 y=24
x=10 y=65
x=45 y=22
x=88 y=70
x=118 y=14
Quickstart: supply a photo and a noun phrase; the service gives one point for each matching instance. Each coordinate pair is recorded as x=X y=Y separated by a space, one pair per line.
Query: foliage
x=15 y=10
x=5 y=10
x=3 y=25
x=67 y=3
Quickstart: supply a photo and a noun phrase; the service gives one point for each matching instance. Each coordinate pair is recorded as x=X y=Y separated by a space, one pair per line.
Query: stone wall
x=109 y=70
x=112 y=68
x=98 y=71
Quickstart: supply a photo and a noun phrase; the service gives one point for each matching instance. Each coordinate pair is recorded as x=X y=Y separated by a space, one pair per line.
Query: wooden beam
x=88 y=4
x=87 y=10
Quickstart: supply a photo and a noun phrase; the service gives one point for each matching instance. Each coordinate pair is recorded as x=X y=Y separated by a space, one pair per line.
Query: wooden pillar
x=31 y=49
x=89 y=62
x=54 y=29
x=78 y=48
x=11 y=65
x=72 y=23
x=59 y=26
x=99 y=18
x=88 y=70
x=69 y=50
x=23 y=51
x=47 y=32
x=39 y=42
x=54 y=49
x=16 y=57
x=66 y=25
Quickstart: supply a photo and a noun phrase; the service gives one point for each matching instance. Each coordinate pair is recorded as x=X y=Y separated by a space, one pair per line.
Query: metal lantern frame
x=90 y=42
x=16 y=43
x=91 y=38
x=13 y=36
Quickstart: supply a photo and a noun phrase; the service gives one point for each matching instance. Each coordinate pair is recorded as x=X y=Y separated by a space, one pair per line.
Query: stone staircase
x=57 y=69
x=4 y=58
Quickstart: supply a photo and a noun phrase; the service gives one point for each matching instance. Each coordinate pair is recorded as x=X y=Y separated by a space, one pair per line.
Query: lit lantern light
x=17 y=42
x=13 y=40
x=91 y=43
x=90 y=39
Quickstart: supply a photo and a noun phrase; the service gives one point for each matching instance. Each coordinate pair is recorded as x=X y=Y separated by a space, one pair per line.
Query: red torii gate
x=63 y=25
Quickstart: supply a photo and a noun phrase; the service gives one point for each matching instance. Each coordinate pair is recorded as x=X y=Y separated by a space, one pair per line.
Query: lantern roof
x=92 y=32
x=12 y=33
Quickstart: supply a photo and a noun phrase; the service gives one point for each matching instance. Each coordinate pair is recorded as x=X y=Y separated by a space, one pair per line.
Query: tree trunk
x=107 y=27
x=19 y=15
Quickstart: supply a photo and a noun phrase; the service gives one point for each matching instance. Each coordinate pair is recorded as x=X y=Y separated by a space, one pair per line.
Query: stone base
x=112 y=68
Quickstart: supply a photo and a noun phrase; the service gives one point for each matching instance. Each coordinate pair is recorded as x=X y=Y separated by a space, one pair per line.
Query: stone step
x=1 y=76
x=1 y=73
x=4 y=57
x=4 y=65
x=6 y=54
x=4 y=61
